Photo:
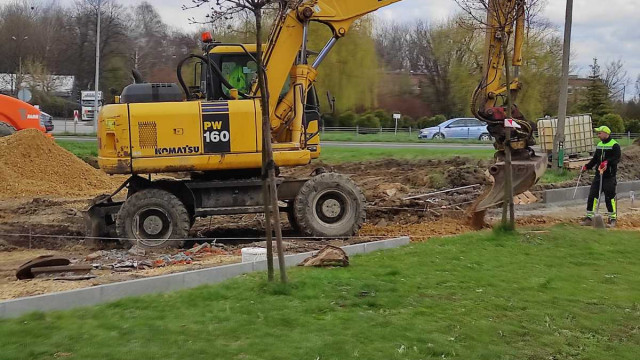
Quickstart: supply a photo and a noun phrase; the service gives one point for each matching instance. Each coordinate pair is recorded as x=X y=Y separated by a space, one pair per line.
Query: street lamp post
x=95 y=104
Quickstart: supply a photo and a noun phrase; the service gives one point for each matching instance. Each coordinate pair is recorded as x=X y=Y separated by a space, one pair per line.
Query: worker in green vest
x=606 y=159
x=238 y=79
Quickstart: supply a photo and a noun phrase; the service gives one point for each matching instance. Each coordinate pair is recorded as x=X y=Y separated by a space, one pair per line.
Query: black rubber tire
x=293 y=222
x=308 y=207
x=159 y=201
x=438 y=136
x=6 y=129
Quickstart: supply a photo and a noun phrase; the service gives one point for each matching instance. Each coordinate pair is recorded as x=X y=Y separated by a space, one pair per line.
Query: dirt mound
x=466 y=175
x=629 y=166
x=33 y=165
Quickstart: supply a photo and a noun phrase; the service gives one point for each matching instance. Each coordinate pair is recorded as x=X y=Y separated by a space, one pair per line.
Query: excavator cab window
x=239 y=71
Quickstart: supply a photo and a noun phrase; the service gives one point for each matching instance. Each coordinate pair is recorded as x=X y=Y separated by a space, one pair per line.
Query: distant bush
x=329 y=120
x=385 y=118
x=406 y=121
x=425 y=122
x=53 y=105
x=368 y=121
x=347 y=119
x=438 y=119
x=633 y=126
x=614 y=122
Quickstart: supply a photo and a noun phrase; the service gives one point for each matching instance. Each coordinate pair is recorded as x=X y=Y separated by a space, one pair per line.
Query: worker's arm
x=593 y=162
x=616 y=155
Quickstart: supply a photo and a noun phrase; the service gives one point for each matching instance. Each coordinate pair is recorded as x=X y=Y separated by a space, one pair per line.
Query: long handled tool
x=578 y=184
x=598 y=221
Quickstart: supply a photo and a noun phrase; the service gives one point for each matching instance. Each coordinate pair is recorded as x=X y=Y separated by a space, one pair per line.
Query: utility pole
x=558 y=141
x=95 y=103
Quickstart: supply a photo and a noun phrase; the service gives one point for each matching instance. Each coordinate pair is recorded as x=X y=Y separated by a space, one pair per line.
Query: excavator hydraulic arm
x=288 y=45
x=506 y=21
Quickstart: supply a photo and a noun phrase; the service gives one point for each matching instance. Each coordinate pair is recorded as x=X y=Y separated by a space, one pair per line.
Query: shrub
x=368 y=121
x=53 y=105
x=438 y=119
x=423 y=122
x=385 y=118
x=347 y=119
x=614 y=122
x=330 y=120
x=406 y=121
x=633 y=126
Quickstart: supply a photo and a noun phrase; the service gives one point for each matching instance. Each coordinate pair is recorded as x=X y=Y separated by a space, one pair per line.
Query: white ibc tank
x=578 y=133
x=253 y=254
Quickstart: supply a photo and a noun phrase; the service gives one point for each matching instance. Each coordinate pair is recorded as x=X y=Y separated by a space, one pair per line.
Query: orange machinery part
x=19 y=114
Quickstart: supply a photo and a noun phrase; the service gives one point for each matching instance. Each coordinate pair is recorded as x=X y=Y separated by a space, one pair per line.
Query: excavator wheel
x=329 y=205
x=6 y=129
x=151 y=218
x=293 y=222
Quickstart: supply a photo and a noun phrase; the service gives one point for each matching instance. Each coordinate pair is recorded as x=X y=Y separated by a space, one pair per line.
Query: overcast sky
x=606 y=29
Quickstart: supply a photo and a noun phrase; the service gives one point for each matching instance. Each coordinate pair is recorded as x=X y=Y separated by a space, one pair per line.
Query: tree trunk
x=270 y=190
x=508 y=191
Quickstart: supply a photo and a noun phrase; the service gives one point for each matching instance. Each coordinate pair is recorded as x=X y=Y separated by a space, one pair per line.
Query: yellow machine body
x=186 y=136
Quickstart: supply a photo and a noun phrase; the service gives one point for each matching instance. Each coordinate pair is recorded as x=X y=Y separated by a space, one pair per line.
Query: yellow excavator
x=213 y=137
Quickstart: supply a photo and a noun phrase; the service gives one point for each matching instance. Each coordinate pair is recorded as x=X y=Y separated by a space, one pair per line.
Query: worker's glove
x=603 y=165
x=584 y=168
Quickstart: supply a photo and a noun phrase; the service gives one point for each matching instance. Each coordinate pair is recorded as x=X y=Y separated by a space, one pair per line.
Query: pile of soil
x=629 y=166
x=32 y=164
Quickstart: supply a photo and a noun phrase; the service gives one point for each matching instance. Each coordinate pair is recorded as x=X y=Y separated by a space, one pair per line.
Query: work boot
x=587 y=222
x=612 y=223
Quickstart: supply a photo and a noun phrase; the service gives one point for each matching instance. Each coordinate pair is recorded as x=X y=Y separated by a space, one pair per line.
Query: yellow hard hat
x=604 y=129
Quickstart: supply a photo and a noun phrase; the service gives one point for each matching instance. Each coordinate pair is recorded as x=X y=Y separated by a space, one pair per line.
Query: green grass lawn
x=331 y=155
x=569 y=293
x=81 y=149
x=349 y=154
x=559 y=176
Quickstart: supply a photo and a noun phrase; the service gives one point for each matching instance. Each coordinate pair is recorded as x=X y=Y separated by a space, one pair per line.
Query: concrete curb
x=165 y=283
x=566 y=195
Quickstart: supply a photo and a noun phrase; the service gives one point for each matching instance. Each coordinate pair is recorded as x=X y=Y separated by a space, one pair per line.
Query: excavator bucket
x=526 y=173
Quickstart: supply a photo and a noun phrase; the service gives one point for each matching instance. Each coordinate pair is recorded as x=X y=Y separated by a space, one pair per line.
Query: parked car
x=458 y=128
x=46 y=121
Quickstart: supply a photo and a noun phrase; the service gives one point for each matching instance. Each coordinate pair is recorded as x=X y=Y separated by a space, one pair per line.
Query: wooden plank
x=525 y=198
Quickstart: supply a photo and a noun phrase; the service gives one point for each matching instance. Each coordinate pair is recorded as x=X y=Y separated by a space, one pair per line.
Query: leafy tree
x=614 y=122
x=596 y=99
x=351 y=71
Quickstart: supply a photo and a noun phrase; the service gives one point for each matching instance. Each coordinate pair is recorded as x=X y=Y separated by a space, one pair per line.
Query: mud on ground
x=385 y=183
